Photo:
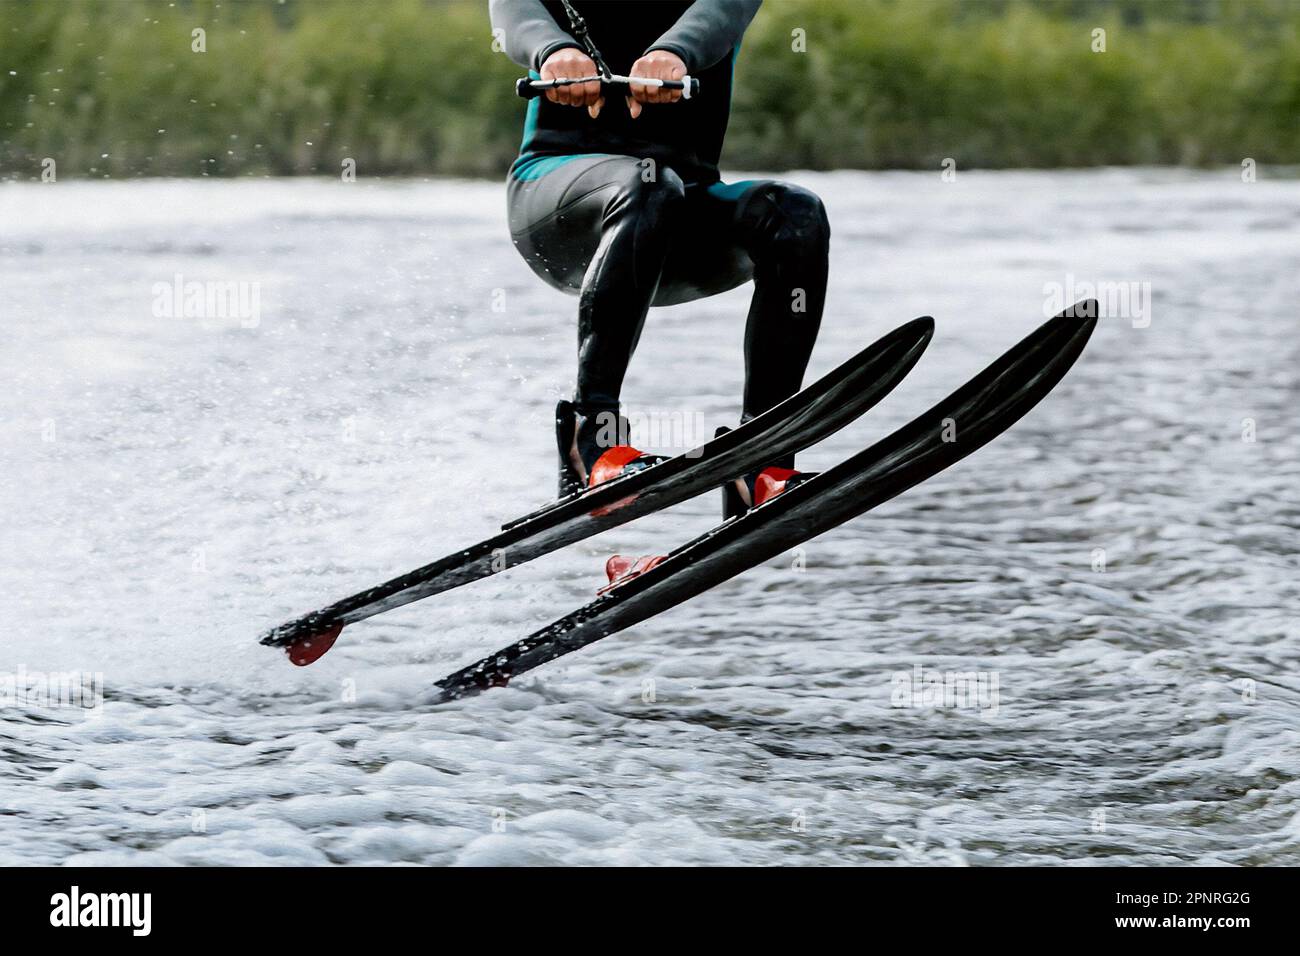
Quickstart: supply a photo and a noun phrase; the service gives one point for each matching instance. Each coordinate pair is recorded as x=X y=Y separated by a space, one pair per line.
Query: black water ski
x=980 y=410
x=800 y=421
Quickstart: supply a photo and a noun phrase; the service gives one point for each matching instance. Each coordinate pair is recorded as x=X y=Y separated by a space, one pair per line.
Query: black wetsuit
x=629 y=213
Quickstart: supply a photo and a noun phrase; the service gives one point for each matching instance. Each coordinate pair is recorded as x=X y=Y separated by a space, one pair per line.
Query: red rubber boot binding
x=621 y=569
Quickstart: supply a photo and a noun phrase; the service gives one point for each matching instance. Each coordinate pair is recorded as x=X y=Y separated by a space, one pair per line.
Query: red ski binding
x=621 y=569
x=771 y=482
x=609 y=466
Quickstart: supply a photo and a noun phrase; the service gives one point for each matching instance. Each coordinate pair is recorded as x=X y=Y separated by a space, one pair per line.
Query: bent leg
x=787 y=234
x=598 y=226
x=776 y=234
x=637 y=221
x=594 y=225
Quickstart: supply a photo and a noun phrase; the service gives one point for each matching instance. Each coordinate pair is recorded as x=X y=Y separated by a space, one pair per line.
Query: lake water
x=1118 y=573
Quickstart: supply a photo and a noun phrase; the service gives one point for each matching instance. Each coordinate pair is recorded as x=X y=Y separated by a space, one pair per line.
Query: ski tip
x=922 y=327
x=915 y=334
x=309 y=649
x=903 y=347
x=1075 y=326
x=1083 y=313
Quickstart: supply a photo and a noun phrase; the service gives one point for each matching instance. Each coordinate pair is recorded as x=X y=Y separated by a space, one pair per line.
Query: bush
x=413 y=86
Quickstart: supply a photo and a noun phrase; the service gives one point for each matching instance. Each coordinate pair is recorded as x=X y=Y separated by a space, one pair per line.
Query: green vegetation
x=414 y=87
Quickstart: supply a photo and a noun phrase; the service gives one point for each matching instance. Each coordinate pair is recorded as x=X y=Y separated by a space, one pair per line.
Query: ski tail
x=969 y=418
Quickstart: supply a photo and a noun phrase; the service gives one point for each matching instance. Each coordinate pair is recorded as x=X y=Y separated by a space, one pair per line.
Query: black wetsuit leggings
x=603 y=226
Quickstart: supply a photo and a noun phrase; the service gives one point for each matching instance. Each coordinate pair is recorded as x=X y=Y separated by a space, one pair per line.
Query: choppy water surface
x=1123 y=563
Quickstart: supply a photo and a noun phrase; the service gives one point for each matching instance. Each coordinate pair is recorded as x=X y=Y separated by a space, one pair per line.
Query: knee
x=790 y=220
x=652 y=194
x=805 y=215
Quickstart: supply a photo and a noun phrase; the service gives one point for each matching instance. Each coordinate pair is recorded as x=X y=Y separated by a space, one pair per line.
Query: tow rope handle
x=529 y=88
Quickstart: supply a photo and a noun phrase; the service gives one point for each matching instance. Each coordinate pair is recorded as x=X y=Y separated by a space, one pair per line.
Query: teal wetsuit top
x=687 y=135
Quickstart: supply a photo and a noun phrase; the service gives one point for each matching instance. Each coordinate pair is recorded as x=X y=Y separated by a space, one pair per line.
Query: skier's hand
x=570 y=63
x=656 y=65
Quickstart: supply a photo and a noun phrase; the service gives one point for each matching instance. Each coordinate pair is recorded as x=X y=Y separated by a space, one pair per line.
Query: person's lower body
x=625 y=236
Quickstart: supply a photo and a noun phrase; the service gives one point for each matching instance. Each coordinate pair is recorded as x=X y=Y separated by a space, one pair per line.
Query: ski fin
x=310 y=649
